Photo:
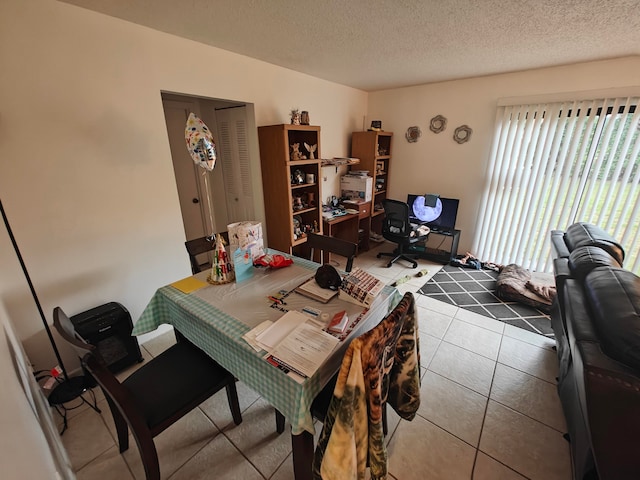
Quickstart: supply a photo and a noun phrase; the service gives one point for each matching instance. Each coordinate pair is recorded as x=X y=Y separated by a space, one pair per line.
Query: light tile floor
x=489 y=411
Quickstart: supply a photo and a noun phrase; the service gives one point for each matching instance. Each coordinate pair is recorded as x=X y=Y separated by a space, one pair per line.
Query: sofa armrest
x=559 y=248
x=611 y=403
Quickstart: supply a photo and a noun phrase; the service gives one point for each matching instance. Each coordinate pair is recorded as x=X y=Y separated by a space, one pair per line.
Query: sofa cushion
x=585 y=234
x=614 y=297
x=584 y=259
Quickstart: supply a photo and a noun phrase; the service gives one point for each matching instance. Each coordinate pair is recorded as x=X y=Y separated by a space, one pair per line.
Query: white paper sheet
x=305 y=348
x=273 y=335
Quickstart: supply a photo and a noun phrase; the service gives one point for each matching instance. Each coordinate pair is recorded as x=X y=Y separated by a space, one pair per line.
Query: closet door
x=234 y=157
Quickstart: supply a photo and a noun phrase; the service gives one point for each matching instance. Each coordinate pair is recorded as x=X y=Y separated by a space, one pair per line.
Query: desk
x=215 y=317
x=438 y=254
x=344 y=227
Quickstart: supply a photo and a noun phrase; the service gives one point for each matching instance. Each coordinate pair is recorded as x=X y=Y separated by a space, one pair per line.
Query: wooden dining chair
x=391 y=369
x=338 y=246
x=198 y=246
x=156 y=395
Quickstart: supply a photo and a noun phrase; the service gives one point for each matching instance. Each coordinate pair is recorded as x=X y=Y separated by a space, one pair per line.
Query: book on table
x=311 y=289
x=360 y=287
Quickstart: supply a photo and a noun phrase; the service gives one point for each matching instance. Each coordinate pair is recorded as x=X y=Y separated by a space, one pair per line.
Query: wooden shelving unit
x=283 y=193
x=374 y=150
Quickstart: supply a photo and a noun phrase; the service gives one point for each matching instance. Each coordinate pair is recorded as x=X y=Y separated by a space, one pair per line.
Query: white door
x=192 y=202
x=234 y=155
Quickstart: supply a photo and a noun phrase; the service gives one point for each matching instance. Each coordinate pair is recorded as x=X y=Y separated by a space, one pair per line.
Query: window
x=555 y=164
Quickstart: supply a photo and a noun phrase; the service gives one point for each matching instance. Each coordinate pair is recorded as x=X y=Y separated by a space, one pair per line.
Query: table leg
x=302 y=446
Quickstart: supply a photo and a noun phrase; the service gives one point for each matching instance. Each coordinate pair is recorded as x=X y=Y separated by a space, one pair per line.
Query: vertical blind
x=554 y=164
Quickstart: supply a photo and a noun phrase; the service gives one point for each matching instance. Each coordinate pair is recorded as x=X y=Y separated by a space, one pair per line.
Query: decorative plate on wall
x=413 y=134
x=462 y=134
x=438 y=124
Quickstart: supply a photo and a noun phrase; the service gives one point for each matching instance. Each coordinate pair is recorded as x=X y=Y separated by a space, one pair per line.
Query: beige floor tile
x=108 y=466
x=420 y=450
x=217 y=406
x=176 y=445
x=464 y=367
x=476 y=339
x=432 y=322
x=428 y=348
x=258 y=440
x=86 y=439
x=525 y=445
x=437 y=305
x=285 y=471
x=481 y=321
x=219 y=459
x=454 y=408
x=487 y=468
x=529 y=395
x=393 y=421
x=159 y=344
x=536 y=361
x=529 y=337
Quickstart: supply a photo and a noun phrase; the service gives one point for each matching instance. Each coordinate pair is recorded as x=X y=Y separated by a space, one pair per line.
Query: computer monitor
x=440 y=218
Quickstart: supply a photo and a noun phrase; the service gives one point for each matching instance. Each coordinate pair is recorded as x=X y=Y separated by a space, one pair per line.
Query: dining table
x=215 y=318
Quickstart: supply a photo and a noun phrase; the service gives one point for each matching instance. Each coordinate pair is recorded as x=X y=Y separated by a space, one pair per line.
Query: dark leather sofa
x=596 y=323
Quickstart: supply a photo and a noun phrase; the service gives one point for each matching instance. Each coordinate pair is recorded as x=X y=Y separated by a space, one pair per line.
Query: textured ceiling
x=379 y=44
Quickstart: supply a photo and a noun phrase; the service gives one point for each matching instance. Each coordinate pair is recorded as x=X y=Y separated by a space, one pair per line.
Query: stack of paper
x=294 y=344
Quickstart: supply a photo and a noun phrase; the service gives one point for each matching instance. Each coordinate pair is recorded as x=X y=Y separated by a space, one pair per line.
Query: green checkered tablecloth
x=199 y=318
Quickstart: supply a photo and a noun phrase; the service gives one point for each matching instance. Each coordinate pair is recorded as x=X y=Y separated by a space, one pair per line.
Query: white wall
x=85 y=168
x=436 y=163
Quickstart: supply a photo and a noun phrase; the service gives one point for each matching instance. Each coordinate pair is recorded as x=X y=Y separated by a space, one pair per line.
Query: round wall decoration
x=462 y=134
x=413 y=134
x=438 y=124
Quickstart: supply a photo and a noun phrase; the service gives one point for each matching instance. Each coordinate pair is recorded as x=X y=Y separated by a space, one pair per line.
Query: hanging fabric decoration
x=200 y=143
x=222 y=269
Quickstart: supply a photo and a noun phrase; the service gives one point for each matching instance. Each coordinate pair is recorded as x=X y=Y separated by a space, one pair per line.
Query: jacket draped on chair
x=380 y=365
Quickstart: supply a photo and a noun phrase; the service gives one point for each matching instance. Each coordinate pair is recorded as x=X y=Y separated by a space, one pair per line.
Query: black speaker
x=109 y=327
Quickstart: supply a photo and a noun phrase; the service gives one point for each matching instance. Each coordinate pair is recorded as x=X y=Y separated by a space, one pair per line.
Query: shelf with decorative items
x=290 y=160
x=373 y=148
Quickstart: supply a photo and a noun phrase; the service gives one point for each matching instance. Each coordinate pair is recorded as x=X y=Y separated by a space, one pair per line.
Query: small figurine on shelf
x=295 y=116
x=295 y=152
x=311 y=149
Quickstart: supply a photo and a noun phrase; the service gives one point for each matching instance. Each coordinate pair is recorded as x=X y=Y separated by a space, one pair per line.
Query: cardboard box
x=357 y=187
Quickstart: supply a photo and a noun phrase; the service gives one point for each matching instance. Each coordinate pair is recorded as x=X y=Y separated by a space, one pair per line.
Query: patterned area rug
x=474 y=290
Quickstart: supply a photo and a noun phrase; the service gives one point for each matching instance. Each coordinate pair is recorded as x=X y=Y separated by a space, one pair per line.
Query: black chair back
x=201 y=245
x=338 y=246
x=396 y=226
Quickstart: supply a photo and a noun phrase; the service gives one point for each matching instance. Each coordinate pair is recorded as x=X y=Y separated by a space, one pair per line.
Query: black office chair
x=333 y=245
x=397 y=228
x=156 y=395
x=201 y=245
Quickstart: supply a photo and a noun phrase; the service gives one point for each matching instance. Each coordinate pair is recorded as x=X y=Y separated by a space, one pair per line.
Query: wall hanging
x=413 y=134
x=462 y=134
x=438 y=124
